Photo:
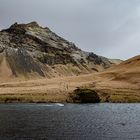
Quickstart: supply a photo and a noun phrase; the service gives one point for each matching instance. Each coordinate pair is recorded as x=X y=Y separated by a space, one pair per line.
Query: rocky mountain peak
x=21 y=28
x=31 y=24
x=30 y=48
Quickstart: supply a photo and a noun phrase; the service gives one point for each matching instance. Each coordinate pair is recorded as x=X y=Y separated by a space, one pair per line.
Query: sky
x=110 y=28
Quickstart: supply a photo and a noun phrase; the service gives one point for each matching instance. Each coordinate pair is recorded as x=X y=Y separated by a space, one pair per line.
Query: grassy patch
x=23 y=98
x=124 y=98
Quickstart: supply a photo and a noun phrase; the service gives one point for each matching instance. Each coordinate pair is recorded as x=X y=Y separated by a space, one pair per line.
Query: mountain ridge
x=30 y=48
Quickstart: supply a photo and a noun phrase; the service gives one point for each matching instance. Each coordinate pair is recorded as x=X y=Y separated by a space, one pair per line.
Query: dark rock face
x=85 y=96
x=20 y=61
x=31 y=48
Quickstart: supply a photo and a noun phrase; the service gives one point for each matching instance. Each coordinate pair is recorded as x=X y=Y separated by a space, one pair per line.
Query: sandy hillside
x=42 y=90
x=120 y=83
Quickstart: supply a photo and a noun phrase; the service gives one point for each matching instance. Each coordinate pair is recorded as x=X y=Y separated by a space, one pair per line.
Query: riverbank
x=60 y=89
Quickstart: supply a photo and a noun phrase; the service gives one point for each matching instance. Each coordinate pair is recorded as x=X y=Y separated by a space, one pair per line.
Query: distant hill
x=120 y=83
x=28 y=50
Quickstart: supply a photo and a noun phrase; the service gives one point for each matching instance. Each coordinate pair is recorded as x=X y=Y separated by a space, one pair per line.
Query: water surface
x=70 y=122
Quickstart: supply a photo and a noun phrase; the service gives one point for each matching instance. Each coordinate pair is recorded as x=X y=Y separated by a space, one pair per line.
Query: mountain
x=29 y=50
x=120 y=83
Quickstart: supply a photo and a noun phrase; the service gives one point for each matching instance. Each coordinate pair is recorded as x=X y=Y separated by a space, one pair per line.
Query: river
x=102 y=121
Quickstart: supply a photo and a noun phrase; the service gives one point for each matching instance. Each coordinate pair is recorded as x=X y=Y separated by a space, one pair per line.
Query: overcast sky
x=107 y=27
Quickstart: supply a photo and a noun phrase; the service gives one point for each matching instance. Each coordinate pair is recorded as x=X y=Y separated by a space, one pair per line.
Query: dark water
x=69 y=122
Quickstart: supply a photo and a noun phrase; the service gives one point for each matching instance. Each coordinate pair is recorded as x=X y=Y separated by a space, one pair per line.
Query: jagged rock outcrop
x=31 y=49
x=81 y=95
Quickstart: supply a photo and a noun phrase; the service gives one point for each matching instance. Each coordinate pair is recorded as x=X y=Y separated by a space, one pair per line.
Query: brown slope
x=5 y=70
x=57 y=89
x=120 y=83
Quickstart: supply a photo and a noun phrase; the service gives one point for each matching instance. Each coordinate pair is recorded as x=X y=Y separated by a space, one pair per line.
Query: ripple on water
x=70 y=121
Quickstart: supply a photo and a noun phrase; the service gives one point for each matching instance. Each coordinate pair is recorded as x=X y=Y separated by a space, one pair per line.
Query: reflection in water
x=69 y=121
